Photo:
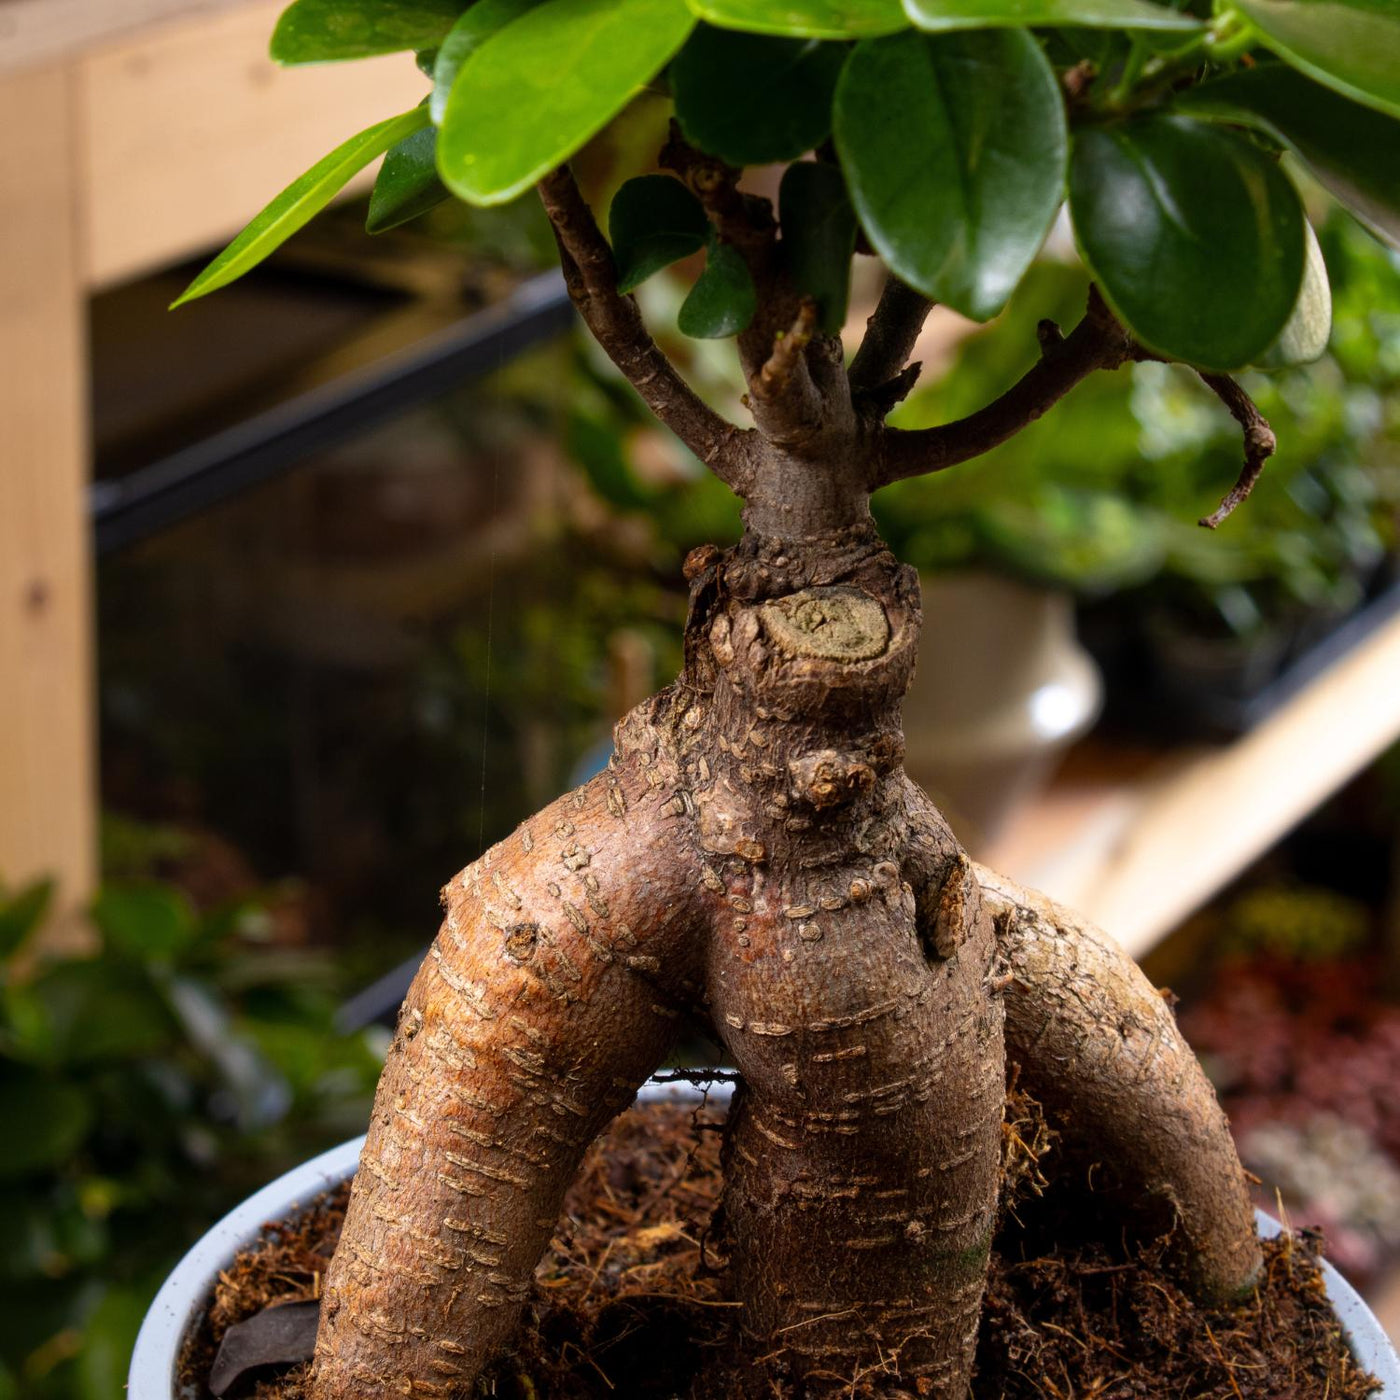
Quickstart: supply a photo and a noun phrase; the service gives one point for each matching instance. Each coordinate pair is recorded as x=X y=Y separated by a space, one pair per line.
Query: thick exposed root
x=861 y=1165
x=552 y=991
x=1100 y=1049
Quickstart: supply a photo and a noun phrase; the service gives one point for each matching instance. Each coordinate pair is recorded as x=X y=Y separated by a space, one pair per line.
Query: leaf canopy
x=819 y=237
x=954 y=149
x=654 y=221
x=723 y=300
x=305 y=197
x=408 y=183
x=466 y=36
x=1351 y=46
x=317 y=31
x=1305 y=335
x=935 y=15
x=542 y=85
x=754 y=98
x=806 y=19
x=1353 y=150
x=1194 y=234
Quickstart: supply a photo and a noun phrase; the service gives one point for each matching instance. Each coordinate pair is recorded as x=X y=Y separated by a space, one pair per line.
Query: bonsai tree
x=755 y=860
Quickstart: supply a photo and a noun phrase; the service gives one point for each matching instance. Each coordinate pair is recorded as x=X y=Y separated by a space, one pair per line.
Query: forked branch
x=1097 y=342
x=616 y=323
x=1259 y=443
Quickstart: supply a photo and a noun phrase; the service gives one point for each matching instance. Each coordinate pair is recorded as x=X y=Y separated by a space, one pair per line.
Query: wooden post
x=47 y=783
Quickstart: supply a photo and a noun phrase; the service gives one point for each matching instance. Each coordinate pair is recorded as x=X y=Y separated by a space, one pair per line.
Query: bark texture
x=1099 y=1047
x=564 y=965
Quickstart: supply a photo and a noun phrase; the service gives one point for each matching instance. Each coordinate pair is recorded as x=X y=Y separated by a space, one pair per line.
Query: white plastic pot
x=179 y=1305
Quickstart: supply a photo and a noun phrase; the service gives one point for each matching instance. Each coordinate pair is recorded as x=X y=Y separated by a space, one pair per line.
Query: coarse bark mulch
x=628 y=1306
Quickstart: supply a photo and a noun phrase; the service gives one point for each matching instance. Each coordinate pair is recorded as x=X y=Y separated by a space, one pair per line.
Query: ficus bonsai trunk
x=756 y=863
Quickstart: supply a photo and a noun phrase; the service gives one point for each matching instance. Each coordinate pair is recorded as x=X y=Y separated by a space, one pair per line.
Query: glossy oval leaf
x=806 y=19
x=819 y=237
x=1309 y=328
x=466 y=36
x=316 y=31
x=754 y=98
x=723 y=300
x=540 y=87
x=305 y=197
x=1351 y=46
x=653 y=222
x=954 y=149
x=1353 y=150
x=935 y=15
x=1194 y=235
x=408 y=183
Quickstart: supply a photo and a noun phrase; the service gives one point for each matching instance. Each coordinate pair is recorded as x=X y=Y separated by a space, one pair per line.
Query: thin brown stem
x=890 y=336
x=1259 y=443
x=1097 y=342
x=617 y=325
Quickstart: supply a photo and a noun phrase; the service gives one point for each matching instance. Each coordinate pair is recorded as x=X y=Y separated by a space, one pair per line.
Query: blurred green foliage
x=1306 y=923
x=1103 y=494
x=146 y=1086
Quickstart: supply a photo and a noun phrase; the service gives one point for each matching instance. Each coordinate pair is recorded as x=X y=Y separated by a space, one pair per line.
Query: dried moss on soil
x=629 y=1303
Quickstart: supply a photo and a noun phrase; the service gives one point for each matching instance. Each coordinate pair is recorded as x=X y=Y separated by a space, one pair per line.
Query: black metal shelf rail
x=200 y=476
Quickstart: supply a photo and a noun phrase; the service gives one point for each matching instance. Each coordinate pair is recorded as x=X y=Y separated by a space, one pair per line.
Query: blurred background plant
x=146 y=1085
x=1103 y=496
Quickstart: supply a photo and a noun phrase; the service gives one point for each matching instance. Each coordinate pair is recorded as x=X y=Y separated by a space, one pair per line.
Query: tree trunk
x=755 y=859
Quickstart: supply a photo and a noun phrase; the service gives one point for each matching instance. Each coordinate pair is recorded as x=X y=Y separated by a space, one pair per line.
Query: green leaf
x=935 y=15
x=407 y=184
x=43 y=1121
x=751 y=99
x=723 y=300
x=1194 y=234
x=314 y=31
x=109 y=1334
x=21 y=914
x=1351 y=46
x=148 y=922
x=819 y=237
x=539 y=88
x=654 y=221
x=96 y=1009
x=305 y=197
x=806 y=19
x=954 y=150
x=467 y=35
x=1353 y=151
x=1305 y=337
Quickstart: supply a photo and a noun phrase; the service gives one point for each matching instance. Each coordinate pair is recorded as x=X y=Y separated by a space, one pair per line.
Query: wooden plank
x=47 y=785
x=1139 y=856
x=40 y=33
x=189 y=129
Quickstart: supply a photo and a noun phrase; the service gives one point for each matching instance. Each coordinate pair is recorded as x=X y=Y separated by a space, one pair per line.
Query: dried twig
x=1259 y=443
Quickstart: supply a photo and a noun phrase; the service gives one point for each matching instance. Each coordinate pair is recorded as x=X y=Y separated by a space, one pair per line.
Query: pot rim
x=153 y=1374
